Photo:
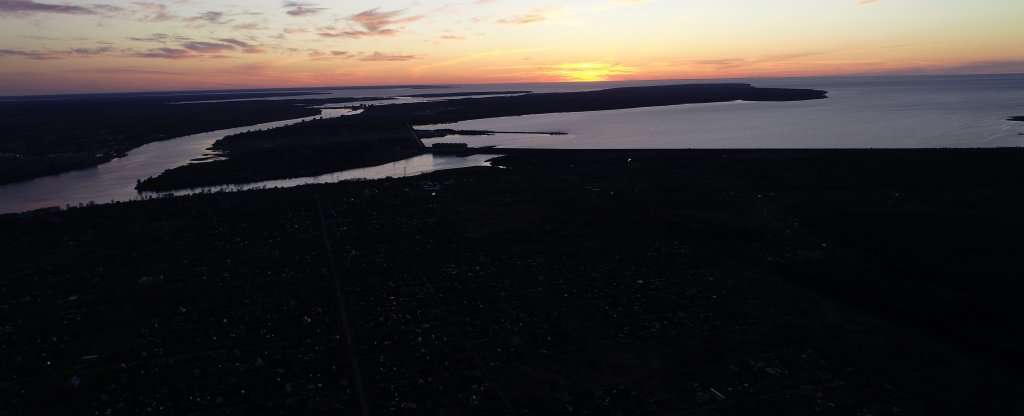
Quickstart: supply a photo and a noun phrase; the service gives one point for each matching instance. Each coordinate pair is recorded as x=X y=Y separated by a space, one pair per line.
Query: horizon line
x=22 y=97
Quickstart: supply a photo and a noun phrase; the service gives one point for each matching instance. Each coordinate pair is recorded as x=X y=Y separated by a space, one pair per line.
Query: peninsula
x=384 y=133
x=58 y=134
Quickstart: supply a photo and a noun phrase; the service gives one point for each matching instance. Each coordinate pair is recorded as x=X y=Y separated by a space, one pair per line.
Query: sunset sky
x=54 y=46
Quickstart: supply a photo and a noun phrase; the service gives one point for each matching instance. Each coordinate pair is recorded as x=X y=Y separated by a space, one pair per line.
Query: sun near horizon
x=54 y=46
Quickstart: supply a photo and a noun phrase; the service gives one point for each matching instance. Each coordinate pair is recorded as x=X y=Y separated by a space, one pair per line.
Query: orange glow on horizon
x=127 y=45
x=590 y=72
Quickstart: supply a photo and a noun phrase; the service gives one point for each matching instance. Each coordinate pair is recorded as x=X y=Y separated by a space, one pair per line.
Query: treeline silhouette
x=48 y=136
x=384 y=133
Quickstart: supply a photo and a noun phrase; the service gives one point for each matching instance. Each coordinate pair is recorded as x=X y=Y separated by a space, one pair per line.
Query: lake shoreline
x=384 y=133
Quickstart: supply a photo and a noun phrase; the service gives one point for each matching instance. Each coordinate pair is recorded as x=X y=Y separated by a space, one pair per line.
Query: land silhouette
x=48 y=136
x=607 y=282
x=381 y=134
x=619 y=282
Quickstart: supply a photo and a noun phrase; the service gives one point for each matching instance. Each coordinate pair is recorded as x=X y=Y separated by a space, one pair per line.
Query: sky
x=54 y=46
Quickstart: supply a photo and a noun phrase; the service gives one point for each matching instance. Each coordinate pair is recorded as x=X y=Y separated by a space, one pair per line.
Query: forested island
x=57 y=134
x=384 y=133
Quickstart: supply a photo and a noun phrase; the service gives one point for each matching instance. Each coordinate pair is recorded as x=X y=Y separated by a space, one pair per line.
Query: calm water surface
x=115 y=180
x=889 y=112
x=861 y=112
x=413 y=166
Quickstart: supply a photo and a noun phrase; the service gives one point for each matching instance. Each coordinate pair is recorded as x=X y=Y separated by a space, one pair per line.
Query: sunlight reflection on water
x=413 y=166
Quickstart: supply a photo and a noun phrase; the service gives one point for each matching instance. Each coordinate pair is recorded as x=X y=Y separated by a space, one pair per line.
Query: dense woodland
x=843 y=282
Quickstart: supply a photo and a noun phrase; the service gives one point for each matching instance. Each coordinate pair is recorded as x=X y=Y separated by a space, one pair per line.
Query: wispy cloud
x=371 y=23
x=723 y=64
x=154 y=12
x=375 y=20
x=208 y=47
x=161 y=38
x=126 y=70
x=318 y=55
x=523 y=19
x=103 y=50
x=735 y=63
x=384 y=57
x=974 y=67
x=533 y=16
x=244 y=46
x=58 y=54
x=34 y=55
x=167 y=53
x=472 y=57
x=252 y=26
x=212 y=17
x=299 y=9
x=27 y=7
